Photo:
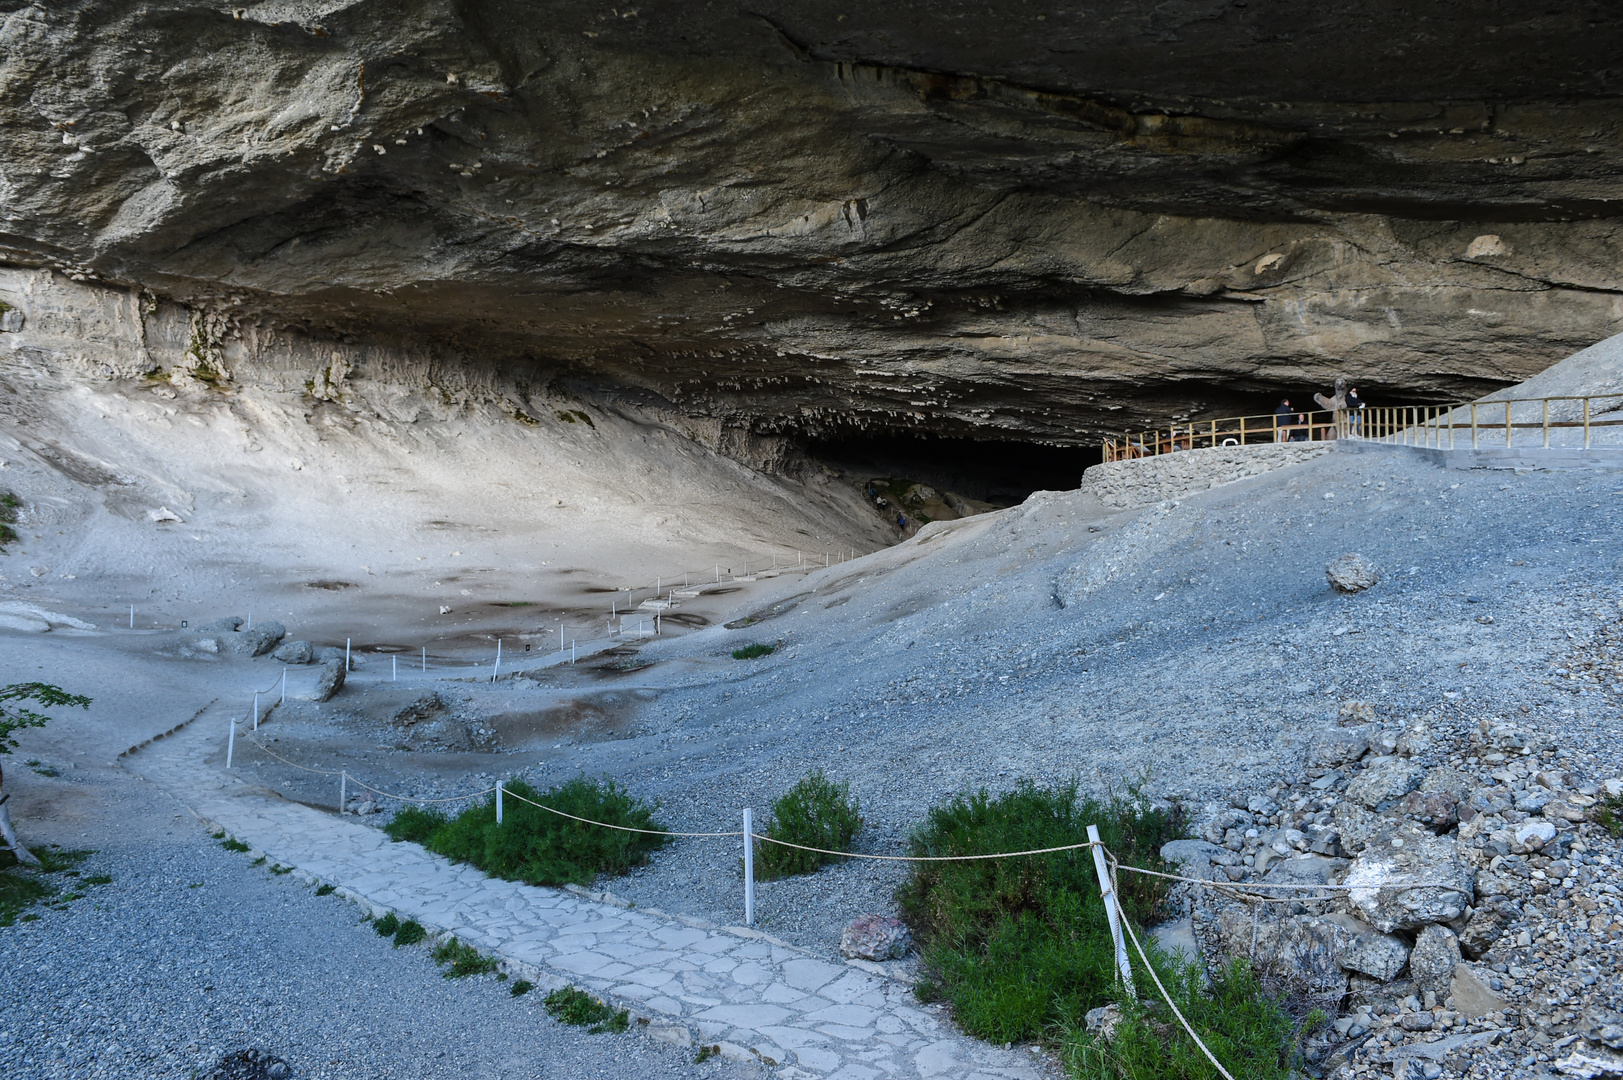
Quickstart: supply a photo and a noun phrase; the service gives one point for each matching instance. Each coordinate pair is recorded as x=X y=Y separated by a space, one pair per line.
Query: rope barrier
x=1127 y=924
x=622 y=828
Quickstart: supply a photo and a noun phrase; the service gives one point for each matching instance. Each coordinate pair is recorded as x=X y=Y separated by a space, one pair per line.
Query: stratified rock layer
x=808 y=218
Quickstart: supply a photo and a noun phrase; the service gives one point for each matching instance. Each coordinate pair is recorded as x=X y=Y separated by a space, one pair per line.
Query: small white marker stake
x=132 y=616
x=498 y=802
x=250 y=620
x=256 y=710
x=571 y=650
x=1112 y=912
x=230 y=743
x=343 y=790
x=749 y=868
x=497 y=666
x=346 y=656
x=394 y=669
x=425 y=657
x=284 y=687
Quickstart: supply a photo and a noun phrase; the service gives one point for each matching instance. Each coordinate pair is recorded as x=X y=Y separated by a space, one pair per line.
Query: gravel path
x=192 y=952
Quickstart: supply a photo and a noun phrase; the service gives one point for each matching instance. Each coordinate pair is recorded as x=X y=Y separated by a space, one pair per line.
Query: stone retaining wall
x=1142 y=481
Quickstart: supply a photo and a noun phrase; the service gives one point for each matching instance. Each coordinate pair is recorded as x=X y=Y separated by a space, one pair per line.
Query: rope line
x=1127 y=924
x=923 y=858
x=510 y=793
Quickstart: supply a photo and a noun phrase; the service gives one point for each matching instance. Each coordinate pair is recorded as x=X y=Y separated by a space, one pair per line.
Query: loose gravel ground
x=191 y=953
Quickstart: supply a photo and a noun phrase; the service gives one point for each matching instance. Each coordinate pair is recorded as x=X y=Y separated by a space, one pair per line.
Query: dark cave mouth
x=1001 y=472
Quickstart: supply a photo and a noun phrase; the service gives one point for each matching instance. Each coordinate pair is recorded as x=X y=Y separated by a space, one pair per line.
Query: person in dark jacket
x=1355 y=419
x=1282 y=420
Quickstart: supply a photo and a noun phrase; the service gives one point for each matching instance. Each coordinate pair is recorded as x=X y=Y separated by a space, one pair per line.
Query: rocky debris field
x=1472 y=924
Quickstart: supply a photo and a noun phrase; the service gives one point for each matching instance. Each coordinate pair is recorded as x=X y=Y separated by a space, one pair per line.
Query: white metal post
x=498 y=802
x=346 y=656
x=250 y=625
x=394 y=669
x=425 y=657
x=256 y=710
x=497 y=666
x=343 y=791
x=749 y=868
x=571 y=650
x=230 y=742
x=284 y=687
x=1112 y=912
x=132 y=616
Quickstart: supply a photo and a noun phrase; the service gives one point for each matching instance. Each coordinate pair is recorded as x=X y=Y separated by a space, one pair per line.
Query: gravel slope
x=191 y=953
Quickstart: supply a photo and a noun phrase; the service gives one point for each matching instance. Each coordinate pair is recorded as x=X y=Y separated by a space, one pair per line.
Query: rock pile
x=1472 y=920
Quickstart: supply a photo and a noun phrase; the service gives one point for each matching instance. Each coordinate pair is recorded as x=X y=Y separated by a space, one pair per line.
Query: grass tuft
x=522 y=987
x=706 y=1053
x=325 y=890
x=1248 y=1031
x=541 y=848
x=570 y=1005
x=1609 y=815
x=754 y=651
x=410 y=932
x=463 y=959
x=21 y=887
x=387 y=924
x=816 y=812
x=231 y=843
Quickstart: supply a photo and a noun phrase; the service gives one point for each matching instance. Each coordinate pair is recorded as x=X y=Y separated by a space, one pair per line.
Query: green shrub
x=464 y=959
x=1019 y=946
x=325 y=890
x=541 y=848
x=414 y=823
x=410 y=932
x=522 y=987
x=386 y=925
x=573 y=1006
x=1608 y=815
x=816 y=812
x=1249 y=1032
x=753 y=652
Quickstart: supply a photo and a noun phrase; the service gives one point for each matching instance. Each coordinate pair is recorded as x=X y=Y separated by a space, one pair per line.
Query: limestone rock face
x=798 y=218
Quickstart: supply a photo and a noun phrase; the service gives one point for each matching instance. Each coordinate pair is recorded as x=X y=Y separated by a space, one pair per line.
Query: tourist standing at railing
x=1355 y=419
x=1282 y=419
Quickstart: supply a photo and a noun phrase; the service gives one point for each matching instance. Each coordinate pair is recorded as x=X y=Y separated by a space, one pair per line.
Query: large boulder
x=1362 y=948
x=1407 y=877
x=259 y=640
x=295 y=652
x=1195 y=858
x=1356 y=826
x=331 y=679
x=330 y=653
x=1481 y=931
x=1351 y=573
x=1437 y=800
x=1387 y=780
x=1337 y=746
x=1435 y=955
x=875 y=937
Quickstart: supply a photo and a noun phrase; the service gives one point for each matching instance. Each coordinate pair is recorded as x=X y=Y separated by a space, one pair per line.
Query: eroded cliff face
x=796 y=218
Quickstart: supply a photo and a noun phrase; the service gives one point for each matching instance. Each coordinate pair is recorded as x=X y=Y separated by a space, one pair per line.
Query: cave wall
x=800 y=219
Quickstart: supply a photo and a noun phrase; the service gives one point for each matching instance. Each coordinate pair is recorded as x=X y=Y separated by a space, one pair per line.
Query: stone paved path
x=683 y=980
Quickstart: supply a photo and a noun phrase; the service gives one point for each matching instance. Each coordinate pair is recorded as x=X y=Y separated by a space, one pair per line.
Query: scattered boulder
x=1435 y=955
x=1351 y=573
x=295 y=652
x=1532 y=836
x=365 y=805
x=1362 y=948
x=1101 y=1022
x=259 y=640
x=1416 y=1021
x=1587 y=1064
x=32 y=614
x=1195 y=858
x=875 y=937
x=1481 y=931
x=1305 y=870
x=1415 y=740
x=1338 y=746
x=1472 y=998
x=1407 y=878
x=1600 y=1024
x=1381 y=785
x=329 y=653
x=1356 y=825
x=331 y=680
x=24 y=624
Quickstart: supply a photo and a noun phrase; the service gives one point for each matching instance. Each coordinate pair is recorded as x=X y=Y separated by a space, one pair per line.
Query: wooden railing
x=1439 y=426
